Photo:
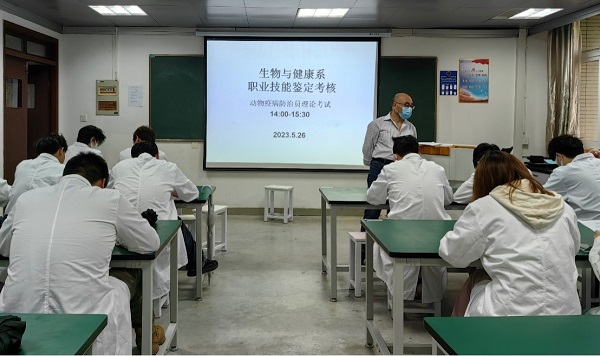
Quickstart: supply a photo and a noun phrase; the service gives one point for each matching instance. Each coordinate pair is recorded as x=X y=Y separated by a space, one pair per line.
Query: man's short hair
x=88 y=132
x=404 y=145
x=88 y=165
x=50 y=144
x=567 y=145
x=481 y=149
x=144 y=133
x=144 y=147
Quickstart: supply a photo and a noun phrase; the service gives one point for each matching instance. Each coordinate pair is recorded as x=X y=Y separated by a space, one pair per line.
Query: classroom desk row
x=418 y=246
x=339 y=198
x=167 y=233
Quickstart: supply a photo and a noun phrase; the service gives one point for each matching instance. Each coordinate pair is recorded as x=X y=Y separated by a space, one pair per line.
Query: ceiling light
x=531 y=14
x=118 y=10
x=102 y=10
x=135 y=10
x=340 y=12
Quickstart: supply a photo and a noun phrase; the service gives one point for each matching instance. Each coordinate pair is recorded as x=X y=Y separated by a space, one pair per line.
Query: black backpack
x=11 y=333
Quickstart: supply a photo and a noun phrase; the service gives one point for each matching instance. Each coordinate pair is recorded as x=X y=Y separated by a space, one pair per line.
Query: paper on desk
x=429 y=144
x=591 y=224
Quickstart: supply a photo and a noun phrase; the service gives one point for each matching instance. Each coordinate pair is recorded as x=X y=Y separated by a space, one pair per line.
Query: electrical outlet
x=83 y=118
x=195 y=145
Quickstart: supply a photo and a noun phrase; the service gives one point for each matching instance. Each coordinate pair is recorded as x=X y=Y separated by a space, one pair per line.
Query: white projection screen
x=289 y=103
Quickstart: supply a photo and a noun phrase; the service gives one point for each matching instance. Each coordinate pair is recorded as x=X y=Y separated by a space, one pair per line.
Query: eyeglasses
x=406 y=104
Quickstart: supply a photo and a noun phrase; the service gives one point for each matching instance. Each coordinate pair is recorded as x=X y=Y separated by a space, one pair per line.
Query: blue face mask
x=406 y=113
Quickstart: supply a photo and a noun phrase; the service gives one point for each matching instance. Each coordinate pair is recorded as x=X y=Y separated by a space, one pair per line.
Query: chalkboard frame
x=191 y=125
x=406 y=79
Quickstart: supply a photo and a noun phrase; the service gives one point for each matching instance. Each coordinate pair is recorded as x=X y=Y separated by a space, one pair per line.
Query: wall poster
x=474 y=81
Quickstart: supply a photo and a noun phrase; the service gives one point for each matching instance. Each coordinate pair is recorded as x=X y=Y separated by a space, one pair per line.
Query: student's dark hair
x=567 y=145
x=88 y=165
x=144 y=147
x=481 y=149
x=404 y=145
x=497 y=168
x=88 y=132
x=144 y=133
x=50 y=144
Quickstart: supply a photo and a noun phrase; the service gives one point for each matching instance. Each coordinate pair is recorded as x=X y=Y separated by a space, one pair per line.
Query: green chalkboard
x=416 y=77
x=177 y=95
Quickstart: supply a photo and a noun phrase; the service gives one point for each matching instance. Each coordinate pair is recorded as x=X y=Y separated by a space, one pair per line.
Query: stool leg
x=358 y=286
x=291 y=205
x=266 y=204
x=286 y=207
x=224 y=232
x=351 y=270
x=272 y=203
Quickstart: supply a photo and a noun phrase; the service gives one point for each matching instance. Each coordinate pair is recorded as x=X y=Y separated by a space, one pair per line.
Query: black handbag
x=11 y=333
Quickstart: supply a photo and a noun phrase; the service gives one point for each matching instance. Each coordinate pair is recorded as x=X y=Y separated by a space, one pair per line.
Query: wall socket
x=83 y=117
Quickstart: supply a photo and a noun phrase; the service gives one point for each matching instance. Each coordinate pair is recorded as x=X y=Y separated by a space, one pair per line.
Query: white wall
x=87 y=58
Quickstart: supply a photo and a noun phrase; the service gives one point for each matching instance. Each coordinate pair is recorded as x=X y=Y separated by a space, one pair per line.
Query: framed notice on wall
x=107 y=97
x=474 y=81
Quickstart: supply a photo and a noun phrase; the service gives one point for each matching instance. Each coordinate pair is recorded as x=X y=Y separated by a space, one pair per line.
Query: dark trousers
x=133 y=279
x=190 y=247
x=374 y=170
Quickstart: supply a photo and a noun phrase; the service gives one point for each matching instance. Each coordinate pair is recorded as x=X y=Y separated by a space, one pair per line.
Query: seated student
x=464 y=193
x=142 y=133
x=416 y=189
x=526 y=238
x=150 y=183
x=44 y=170
x=61 y=240
x=577 y=178
x=89 y=138
x=594 y=258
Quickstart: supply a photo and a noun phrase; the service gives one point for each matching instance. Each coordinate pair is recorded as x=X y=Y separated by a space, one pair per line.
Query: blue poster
x=474 y=81
x=448 y=82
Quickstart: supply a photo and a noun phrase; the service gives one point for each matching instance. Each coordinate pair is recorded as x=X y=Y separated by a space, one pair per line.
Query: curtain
x=564 y=59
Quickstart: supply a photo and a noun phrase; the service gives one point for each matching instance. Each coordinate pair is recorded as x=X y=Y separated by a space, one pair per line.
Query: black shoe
x=209 y=266
x=191 y=273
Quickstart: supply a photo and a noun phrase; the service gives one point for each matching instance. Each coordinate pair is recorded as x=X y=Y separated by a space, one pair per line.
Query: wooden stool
x=220 y=244
x=288 y=207
x=357 y=240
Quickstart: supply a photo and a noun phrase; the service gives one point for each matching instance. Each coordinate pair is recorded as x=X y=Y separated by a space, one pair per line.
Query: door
x=15 y=115
x=39 y=91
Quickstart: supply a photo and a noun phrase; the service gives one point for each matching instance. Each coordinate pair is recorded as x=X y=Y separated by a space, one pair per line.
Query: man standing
x=377 y=148
x=61 y=240
x=577 y=178
x=416 y=189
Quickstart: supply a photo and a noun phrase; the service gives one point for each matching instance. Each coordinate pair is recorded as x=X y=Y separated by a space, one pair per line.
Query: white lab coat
x=150 y=183
x=579 y=184
x=126 y=154
x=416 y=189
x=464 y=193
x=42 y=171
x=526 y=246
x=62 y=241
x=5 y=189
x=78 y=148
x=594 y=258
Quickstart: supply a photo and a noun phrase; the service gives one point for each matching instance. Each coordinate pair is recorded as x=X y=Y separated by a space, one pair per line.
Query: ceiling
x=365 y=14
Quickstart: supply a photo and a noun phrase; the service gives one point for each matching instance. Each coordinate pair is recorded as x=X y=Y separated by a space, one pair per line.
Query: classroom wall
x=87 y=58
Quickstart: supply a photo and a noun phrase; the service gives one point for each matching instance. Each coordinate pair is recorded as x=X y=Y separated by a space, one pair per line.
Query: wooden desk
x=203 y=196
x=517 y=335
x=167 y=231
x=60 y=334
x=415 y=243
x=347 y=198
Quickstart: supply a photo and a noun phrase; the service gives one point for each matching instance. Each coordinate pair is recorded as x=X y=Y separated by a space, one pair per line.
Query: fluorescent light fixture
x=135 y=10
x=118 y=10
x=533 y=13
x=339 y=12
x=102 y=10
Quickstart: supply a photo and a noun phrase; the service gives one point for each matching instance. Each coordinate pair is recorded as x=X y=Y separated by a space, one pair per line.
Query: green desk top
x=521 y=335
x=166 y=231
x=421 y=238
x=59 y=334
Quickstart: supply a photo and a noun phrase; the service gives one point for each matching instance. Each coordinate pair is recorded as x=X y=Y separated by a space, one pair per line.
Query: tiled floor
x=268 y=296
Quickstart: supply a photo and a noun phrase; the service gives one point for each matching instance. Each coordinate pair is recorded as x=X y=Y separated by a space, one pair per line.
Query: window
x=589 y=79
